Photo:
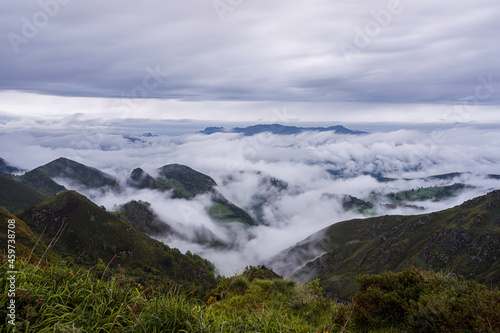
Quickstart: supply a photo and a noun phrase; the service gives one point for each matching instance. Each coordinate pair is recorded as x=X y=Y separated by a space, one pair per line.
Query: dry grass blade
x=53 y=242
x=33 y=249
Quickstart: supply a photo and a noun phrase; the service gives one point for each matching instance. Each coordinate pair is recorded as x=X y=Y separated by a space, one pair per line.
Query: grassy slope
x=140 y=215
x=434 y=193
x=93 y=236
x=25 y=238
x=42 y=177
x=39 y=179
x=464 y=239
x=187 y=183
x=85 y=175
x=185 y=180
x=63 y=298
x=15 y=196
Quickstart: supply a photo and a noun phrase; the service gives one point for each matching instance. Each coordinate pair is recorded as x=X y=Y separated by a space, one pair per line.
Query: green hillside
x=25 y=238
x=7 y=168
x=75 y=172
x=39 y=179
x=140 y=215
x=15 y=196
x=186 y=181
x=140 y=179
x=89 y=236
x=435 y=193
x=352 y=203
x=464 y=240
x=65 y=298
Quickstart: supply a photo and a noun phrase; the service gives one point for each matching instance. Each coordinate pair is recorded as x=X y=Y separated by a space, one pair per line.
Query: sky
x=250 y=61
x=423 y=77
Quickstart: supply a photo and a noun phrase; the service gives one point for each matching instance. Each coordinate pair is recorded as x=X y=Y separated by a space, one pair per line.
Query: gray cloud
x=423 y=52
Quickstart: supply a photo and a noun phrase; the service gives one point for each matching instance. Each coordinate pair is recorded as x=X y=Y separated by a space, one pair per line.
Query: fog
x=308 y=166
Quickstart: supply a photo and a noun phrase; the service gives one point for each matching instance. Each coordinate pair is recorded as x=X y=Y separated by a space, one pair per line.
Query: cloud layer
x=246 y=170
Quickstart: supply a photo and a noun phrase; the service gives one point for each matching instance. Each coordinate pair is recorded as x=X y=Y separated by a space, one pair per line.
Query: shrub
x=426 y=301
x=239 y=284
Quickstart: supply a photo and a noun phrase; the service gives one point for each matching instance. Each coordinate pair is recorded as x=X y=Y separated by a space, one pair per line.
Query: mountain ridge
x=89 y=235
x=279 y=129
x=464 y=238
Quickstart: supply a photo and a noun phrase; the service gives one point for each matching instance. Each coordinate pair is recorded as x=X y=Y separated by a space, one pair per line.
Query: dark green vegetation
x=66 y=298
x=402 y=199
x=186 y=181
x=464 y=239
x=182 y=180
x=7 y=168
x=141 y=179
x=435 y=193
x=40 y=180
x=83 y=233
x=225 y=211
x=42 y=177
x=352 y=203
x=425 y=301
x=15 y=196
x=140 y=215
x=25 y=237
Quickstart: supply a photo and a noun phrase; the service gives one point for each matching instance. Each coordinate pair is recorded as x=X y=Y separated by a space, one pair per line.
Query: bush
x=239 y=284
x=426 y=301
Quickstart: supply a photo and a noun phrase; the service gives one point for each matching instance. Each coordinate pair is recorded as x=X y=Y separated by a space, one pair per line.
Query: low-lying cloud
x=280 y=180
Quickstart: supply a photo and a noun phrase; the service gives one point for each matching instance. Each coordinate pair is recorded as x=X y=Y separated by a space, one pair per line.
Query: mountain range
x=464 y=239
x=279 y=129
x=181 y=180
x=70 y=227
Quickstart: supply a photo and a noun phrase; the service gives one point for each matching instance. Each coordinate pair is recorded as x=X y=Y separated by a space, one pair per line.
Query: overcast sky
x=434 y=61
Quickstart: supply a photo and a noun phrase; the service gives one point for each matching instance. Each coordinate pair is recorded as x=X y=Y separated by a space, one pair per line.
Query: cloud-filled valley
x=291 y=184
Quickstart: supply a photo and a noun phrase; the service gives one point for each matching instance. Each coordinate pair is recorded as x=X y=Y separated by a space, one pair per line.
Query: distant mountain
x=141 y=216
x=463 y=240
x=39 y=179
x=80 y=174
x=187 y=183
x=89 y=235
x=279 y=129
x=141 y=179
x=434 y=193
x=7 y=168
x=183 y=181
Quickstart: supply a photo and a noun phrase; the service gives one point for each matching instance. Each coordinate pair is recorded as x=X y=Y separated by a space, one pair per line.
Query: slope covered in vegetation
x=81 y=232
x=15 y=196
x=464 y=239
x=65 y=298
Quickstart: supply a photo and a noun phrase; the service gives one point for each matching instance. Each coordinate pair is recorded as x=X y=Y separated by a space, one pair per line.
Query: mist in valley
x=291 y=185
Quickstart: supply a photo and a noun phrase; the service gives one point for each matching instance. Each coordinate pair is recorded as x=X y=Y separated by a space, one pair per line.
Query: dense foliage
x=426 y=301
x=464 y=239
x=65 y=298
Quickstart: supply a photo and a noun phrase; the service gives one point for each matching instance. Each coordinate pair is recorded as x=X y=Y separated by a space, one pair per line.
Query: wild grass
x=64 y=298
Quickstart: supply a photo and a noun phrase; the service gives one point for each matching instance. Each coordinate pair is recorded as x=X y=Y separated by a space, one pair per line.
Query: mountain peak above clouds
x=89 y=177
x=279 y=129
